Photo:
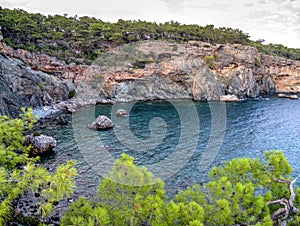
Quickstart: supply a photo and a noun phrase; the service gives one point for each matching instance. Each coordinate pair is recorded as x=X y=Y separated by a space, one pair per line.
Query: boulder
x=40 y=144
x=122 y=113
x=294 y=97
x=229 y=98
x=101 y=123
x=291 y=96
x=67 y=106
x=283 y=95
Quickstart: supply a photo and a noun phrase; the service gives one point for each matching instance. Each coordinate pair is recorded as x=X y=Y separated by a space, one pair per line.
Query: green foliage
x=12 y=150
x=190 y=213
x=19 y=174
x=239 y=190
x=42 y=85
x=131 y=194
x=277 y=50
x=68 y=38
x=257 y=62
x=71 y=94
x=32 y=221
x=209 y=61
x=236 y=194
x=83 y=212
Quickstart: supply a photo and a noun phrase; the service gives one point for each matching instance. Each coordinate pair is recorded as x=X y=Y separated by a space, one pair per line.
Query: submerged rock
x=40 y=144
x=122 y=113
x=229 y=98
x=101 y=123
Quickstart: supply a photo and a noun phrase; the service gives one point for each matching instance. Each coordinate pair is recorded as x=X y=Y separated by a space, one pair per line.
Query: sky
x=275 y=21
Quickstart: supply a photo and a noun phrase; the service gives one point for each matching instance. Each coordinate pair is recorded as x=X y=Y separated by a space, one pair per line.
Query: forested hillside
x=83 y=39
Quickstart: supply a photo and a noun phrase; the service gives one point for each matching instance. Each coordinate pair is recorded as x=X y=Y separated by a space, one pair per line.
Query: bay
x=180 y=141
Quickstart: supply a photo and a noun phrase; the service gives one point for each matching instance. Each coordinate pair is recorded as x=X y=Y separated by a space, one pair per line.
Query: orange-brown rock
x=162 y=70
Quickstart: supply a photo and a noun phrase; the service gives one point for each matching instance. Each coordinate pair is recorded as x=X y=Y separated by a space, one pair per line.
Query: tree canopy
x=243 y=191
x=83 y=39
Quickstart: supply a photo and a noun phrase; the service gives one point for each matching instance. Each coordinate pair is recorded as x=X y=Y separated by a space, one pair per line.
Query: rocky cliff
x=22 y=86
x=144 y=71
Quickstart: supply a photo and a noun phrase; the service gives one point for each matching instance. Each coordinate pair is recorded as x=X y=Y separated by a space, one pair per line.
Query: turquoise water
x=172 y=138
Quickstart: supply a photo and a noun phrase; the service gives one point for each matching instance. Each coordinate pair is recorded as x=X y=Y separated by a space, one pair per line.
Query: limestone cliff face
x=22 y=86
x=145 y=71
x=285 y=73
x=201 y=71
x=47 y=64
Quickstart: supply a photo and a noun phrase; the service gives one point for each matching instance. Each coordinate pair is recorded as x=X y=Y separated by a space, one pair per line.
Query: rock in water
x=101 y=123
x=291 y=96
x=282 y=95
x=122 y=113
x=229 y=98
x=294 y=97
x=40 y=144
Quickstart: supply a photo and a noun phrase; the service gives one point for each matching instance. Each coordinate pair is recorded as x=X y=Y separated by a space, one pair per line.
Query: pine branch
x=288 y=204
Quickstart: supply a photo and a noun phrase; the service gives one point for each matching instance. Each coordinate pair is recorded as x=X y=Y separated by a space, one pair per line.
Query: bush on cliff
x=241 y=192
x=19 y=173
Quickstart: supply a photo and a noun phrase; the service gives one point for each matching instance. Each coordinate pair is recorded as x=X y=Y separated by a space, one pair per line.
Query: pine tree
x=20 y=174
x=241 y=192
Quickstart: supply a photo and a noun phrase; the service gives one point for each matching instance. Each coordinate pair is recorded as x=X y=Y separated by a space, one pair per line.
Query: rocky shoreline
x=144 y=71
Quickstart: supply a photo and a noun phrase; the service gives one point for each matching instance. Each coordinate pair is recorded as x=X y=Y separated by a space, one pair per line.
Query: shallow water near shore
x=248 y=129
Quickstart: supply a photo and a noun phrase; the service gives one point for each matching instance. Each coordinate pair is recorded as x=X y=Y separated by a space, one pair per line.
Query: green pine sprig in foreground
x=241 y=192
x=20 y=174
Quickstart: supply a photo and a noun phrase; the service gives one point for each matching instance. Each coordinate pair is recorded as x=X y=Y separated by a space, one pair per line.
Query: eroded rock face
x=260 y=73
x=40 y=144
x=101 y=123
x=285 y=73
x=51 y=65
x=235 y=70
x=167 y=71
x=22 y=86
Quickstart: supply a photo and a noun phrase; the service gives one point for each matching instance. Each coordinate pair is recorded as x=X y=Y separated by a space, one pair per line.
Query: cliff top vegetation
x=83 y=39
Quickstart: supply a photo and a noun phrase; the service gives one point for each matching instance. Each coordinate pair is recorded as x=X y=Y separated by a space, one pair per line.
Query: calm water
x=172 y=139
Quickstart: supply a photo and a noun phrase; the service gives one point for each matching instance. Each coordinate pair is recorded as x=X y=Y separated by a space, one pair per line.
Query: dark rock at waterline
x=101 y=123
x=40 y=144
x=62 y=120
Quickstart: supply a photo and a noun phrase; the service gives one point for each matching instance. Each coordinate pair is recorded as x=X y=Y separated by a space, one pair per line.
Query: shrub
x=209 y=61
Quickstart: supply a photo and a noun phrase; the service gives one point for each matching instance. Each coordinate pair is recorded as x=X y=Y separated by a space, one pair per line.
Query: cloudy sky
x=276 y=21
